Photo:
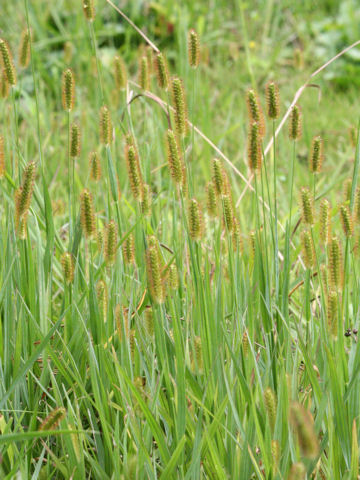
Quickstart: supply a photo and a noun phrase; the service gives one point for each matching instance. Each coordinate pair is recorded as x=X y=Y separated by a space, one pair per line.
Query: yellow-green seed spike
x=211 y=201
x=102 y=298
x=303 y=425
x=195 y=220
x=245 y=344
x=23 y=197
x=67 y=262
x=149 y=321
x=110 y=243
x=24 y=48
x=193 y=48
x=75 y=143
x=308 y=249
x=134 y=173
x=346 y=220
x=270 y=402
x=87 y=213
x=275 y=452
x=105 y=125
x=89 y=10
x=154 y=274
x=174 y=158
x=324 y=221
x=198 y=354
x=128 y=249
x=316 y=155
x=228 y=213
x=332 y=312
x=53 y=420
x=174 y=277
x=162 y=71
x=94 y=166
x=254 y=148
x=307 y=206
x=335 y=264
x=217 y=176
x=144 y=73
x=272 y=100
x=120 y=73
x=8 y=62
x=255 y=111
x=146 y=200
x=295 y=123
x=68 y=89
x=297 y=472
x=179 y=104
x=4 y=84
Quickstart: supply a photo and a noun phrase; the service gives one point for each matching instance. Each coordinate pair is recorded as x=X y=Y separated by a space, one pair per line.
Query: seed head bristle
x=133 y=168
x=195 y=220
x=193 y=48
x=128 y=249
x=272 y=100
x=346 y=220
x=316 y=155
x=236 y=237
x=110 y=245
x=173 y=277
x=8 y=62
x=255 y=112
x=105 y=125
x=67 y=262
x=149 y=321
x=308 y=249
x=75 y=143
x=24 y=48
x=252 y=241
x=254 y=148
x=102 y=298
x=228 y=213
x=217 y=176
x=144 y=73
x=275 y=452
x=89 y=10
x=87 y=213
x=332 y=312
x=303 y=425
x=23 y=197
x=95 y=166
x=2 y=157
x=179 y=104
x=211 y=200
x=120 y=73
x=174 y=157
x=270 y=402
x=335 y=264
x=198 y=354
x=245 y=344
x=53 y=420
x=146 y=200
x=162 y=70
x=324 y=221
x=295 y=123
x=307 y=206
x=155 y=282
x=4 y=84
x=68 y=89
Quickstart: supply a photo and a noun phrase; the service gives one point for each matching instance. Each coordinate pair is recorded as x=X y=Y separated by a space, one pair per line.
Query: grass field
x=180 y=240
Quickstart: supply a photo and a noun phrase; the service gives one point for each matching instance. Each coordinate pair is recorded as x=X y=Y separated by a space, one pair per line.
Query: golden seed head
x=297 y=472
x=75 y=143
x=4 y=84
x=316 y=155
x=346 y=220
x=95 y=166
x=295 y=123
x=128 y=249
x=272 y=100
x=2 y=157
x=146 y=200
x=174 y=157
x=357 y=206
x=179 y=104
x=155 y=282
x=324 y=221
x=68 y=89
x=149 y=321
x=228 y=213
x=335 y=264
x=133 y=168
x=270 y=402
x=211 y=201
x=217 y=176
x=245 y=344
x=195 y=220
x=120 y=73
x=332 y=312
x=23 y=197
x=307 y=206
x=89 y=10
x=254 y=148
x=198 y=353
x=53 y=420
x=173 y=277
x=252 y=241
x=87 y=213
x=144 y=73
x=193 y=48
x=102 y=298
x=7 y=62
x=24 y=48
x=236 y=236
x=162 y=71
x=275 y=452
x=255 y=111
x=67 y=263
x=105 y=125
x=308 y=249
x=110 y=245
x=303 y=424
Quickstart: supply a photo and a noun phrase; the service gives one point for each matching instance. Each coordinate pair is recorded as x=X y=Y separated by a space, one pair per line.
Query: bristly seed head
x=67 y=262
x=173 y=156
x=110 y=246
x=162 y=71
x=179 y=104
x=211 y=200
x=4 y=84
x=346 y=220
x=254 y=148
x=193 y=48
x=307 y=206
x=303 y=425
x=24 y=48
x=23 y=197
x=8 y=62
x=146 y=201
x=144 y=73
x=332 y=312
x=87 y=213
x=316 y=155
x=308 y=249
x=95 y=166
x=102 y=298
x=295 y=123
x=217 y=176
x=75 y=143
x=297 y=471
x=89 y=10
x=270 y=402
x=228 y=213
x=255 y=111
x=53 y=420
x=324 y=221
x=105 y=125
x=133 y=168
x=272 y=100
x=128 y=249
x=120 y=73
x=68 y=89
x=195 y=220
x=155 y=282
x=335 y=264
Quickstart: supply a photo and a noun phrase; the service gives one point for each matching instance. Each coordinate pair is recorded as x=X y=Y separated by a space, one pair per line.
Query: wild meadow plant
x=151 y=325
